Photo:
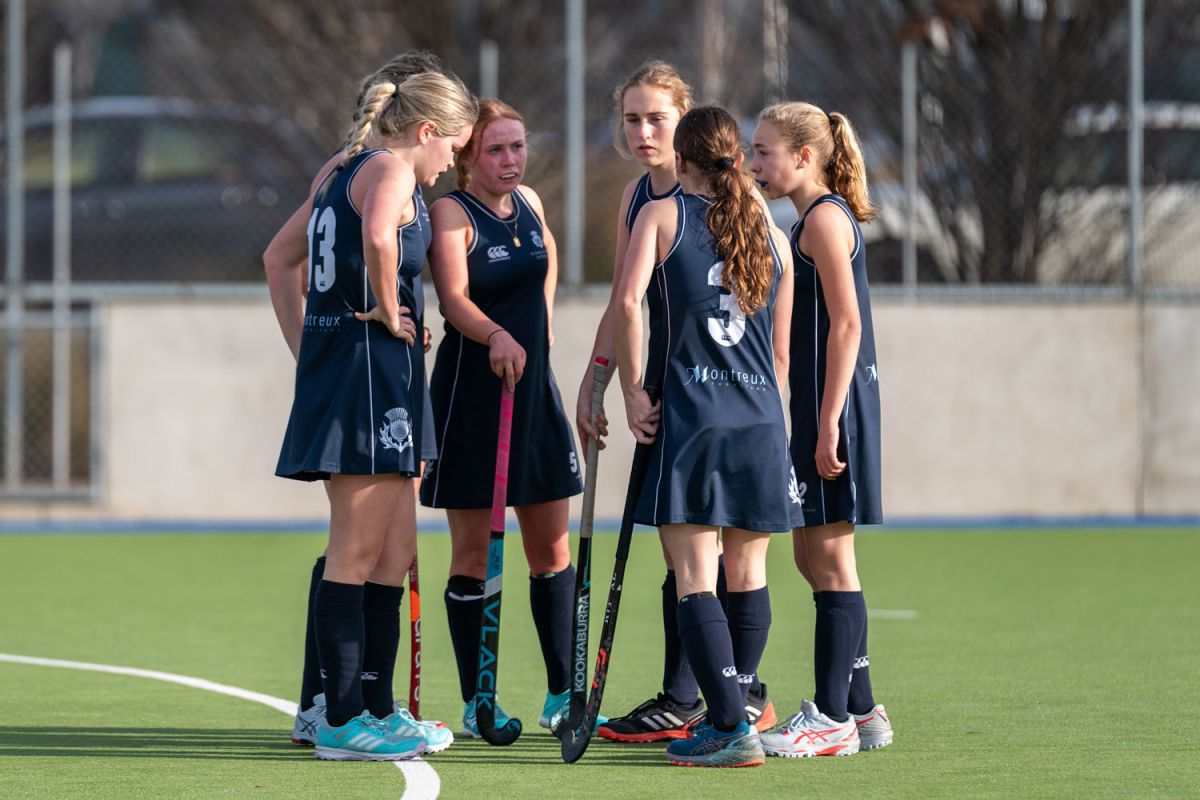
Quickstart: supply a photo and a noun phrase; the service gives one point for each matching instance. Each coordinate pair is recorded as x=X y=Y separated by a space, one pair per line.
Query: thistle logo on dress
x=536 y=238
x=396 y=432
x=497 y=253
x=872 y=375
x=796 y=491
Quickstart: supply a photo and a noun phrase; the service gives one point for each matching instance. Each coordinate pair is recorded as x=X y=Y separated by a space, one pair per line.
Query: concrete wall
x=989 y=409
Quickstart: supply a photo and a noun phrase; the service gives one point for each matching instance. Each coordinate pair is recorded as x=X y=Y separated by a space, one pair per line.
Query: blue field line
x=603 y=525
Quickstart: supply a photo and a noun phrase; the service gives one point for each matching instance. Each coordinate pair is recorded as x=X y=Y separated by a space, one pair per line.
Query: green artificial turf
x=1038 y=664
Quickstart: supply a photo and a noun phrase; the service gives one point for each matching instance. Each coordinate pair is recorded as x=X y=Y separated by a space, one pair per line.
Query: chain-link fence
x=195 y=129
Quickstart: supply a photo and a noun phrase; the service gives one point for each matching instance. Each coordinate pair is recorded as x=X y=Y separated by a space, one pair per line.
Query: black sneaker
x=656 y=720
x=760 y=711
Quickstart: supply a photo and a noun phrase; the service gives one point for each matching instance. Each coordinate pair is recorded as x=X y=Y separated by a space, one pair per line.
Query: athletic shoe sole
x=303 y=742
x=756 y=763
x=642 y=738
x=877 y=745
x=334 y=754
x=836 y=750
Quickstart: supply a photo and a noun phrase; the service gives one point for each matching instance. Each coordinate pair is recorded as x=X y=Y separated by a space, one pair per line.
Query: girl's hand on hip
x=398 y=325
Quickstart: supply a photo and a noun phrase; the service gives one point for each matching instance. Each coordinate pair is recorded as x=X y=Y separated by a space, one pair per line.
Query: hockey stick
x=414 y=624
x=575 y=740
x=489 y=632
x=583 y=572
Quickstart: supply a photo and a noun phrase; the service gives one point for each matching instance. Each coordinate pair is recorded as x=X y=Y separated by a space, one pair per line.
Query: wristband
x=493 y=333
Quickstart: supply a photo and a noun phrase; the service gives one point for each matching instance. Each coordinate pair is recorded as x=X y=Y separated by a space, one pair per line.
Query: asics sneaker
x=304 y=729
x=365 y=738
x=760 y=711
x=471 y=726
x=811 y=733
x=658 y=719
x=437 y=736
x=556 y=707
x=874 y=728
x=709 y=747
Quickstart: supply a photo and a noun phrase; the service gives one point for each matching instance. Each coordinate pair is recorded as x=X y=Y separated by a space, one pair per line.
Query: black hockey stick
x=583 y=572
x=575 y=740
x=489 y=632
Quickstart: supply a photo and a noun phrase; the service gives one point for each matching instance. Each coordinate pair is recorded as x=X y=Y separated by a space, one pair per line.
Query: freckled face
x=498 y=165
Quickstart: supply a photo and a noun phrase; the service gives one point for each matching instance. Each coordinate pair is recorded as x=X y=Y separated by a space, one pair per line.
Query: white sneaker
x=811 y=733
x=874 y=728
x=304 y=729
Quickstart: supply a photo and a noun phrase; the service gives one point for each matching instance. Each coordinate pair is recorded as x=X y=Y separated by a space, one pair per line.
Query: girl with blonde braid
x=356 y=417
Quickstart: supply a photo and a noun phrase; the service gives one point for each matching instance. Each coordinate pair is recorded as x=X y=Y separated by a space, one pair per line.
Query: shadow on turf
x=545 y=751
x=242 y=744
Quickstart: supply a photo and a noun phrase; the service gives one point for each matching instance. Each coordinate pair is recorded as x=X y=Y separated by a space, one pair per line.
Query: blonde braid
x=374 y=99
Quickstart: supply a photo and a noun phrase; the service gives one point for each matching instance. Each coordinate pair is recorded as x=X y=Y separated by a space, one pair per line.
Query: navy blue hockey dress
x=506 y=280
x=854 y=496
x=720 y=457
x=359 y=402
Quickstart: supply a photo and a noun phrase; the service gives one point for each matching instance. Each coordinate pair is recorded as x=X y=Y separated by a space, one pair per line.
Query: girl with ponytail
x=719 y=284
x=344 y=279
x=814 y=159
x=649 y=105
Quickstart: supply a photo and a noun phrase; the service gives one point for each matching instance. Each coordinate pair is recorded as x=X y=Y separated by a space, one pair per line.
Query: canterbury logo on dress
x=497 y=253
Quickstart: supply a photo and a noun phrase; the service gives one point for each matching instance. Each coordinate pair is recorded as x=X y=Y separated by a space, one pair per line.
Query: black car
x=165 y=189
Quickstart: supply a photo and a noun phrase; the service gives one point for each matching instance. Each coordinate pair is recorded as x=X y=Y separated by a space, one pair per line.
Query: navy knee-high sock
x=464 y=605
x=679 y=681
x=705 y=634
x=861 y=699
x=339 y=618
x=836 y=637
x=310 y=678
x=381 y=622
x=551 y=598
x=749 y=615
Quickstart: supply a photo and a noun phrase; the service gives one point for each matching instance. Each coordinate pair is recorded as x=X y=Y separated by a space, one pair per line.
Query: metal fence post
x=1137 y=285
x=61 y=359
x=15 y=249
x=908 y=95
x=573 y=179
x=489 y=68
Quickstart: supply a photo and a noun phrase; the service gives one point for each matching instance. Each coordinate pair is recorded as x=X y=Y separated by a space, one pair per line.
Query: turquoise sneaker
x=556 y=707
x=709 y=747
x=437 y=737
x=364 y=738
x=471 y=727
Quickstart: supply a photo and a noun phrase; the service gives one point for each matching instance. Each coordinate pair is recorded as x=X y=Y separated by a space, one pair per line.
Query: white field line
x=884 y=613
x=421 y=782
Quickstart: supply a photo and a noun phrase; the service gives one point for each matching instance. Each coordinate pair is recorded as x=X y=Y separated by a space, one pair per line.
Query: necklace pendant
x=516 y=241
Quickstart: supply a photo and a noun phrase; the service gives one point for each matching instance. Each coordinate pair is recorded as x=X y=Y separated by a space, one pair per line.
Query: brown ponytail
x=708 y=139
x=832 y=138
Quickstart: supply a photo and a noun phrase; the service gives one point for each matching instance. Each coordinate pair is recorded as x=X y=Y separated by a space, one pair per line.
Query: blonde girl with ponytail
x=719 y=284
x=814 y=158
x=343 y=274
